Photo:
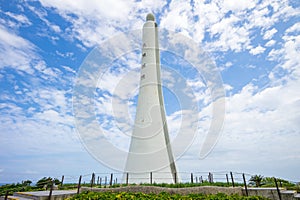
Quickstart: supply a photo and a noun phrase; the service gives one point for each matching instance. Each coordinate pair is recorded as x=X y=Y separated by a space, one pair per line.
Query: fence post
x=93 y=180
x=79 y=184
x=62 y=180
x=51 y=188
x=100 y=181
x=105 y=182
x=127 y=178
x=232 y=179
x=280 y=183
x=111 y=179
x=197 y=179
x=6 y=195
x=175 y=177
x=201 y=179
x=192 y=178
x=245 y=184
x=278 y=190
x=151 y=178
x=227 y=179
x=98 y=178
x=210 y=177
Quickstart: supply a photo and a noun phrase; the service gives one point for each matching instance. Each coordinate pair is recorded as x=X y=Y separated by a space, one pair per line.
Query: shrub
x=163 y=195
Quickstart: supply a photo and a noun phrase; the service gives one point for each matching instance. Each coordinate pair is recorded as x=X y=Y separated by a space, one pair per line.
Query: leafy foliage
x=163 y=195
x=27 y=182
x=25 y=186
x=19 y=187
x=256 y=180
x=270 y=182
x=47 y=182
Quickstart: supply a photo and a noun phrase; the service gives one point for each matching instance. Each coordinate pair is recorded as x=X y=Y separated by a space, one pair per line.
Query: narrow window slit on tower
x=143 y=76
x=144 y=65
x=144 y=45
x=144 y=54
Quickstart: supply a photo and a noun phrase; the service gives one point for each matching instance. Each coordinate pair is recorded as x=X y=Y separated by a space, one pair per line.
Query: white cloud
x=270 y=43
x=227 y=87
x=289 y=53
x=237 y=6
x=269 y=33
x=15 y=51
x=95 y=21
x=178 y=17
x=258 y=118
x=36 y=116
x=19 y=18
x=232 y=32
x=256 y=123
x=226 y=31
x=261 y=115
x=114 y=9
x=257 y=50
x=275 y=55
x=295 y=28
x=226 y=66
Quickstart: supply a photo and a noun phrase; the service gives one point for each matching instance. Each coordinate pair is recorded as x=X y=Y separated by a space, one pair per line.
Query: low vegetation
x=46 y=182
x=163 y=195
x=181 y=185
x=43 y=184
x=260 y=181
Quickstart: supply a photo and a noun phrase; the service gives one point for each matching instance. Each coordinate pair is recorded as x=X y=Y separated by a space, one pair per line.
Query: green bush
x=19 y=187
x=47 y=182
x=163 y=195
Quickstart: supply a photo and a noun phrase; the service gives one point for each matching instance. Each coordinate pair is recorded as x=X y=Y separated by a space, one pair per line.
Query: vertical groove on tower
x=163 y=113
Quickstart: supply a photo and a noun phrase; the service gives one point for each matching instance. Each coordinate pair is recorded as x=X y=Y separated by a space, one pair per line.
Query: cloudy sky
x=44 y=44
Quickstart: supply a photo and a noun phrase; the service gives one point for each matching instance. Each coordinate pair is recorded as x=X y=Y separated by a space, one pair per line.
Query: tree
x=47 y=182
x=56 y=181
x=27 y=182
x=256 y=180
x=44 y=182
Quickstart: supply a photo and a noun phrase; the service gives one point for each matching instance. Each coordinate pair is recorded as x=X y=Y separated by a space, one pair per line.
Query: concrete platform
x=297 y=196
x=272 y=193
x=43 y=195
x=62 y=194
x=14 y=198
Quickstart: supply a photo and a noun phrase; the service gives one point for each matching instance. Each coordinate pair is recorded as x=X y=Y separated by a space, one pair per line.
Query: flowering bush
x=163 y=195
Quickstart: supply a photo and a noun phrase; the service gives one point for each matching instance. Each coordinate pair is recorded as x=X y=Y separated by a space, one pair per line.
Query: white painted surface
x=149 y=149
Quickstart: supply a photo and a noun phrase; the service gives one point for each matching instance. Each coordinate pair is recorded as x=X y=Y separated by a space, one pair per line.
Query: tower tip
x=150 y=17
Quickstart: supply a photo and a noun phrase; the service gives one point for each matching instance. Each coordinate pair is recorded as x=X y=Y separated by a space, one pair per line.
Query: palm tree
x=257 y=180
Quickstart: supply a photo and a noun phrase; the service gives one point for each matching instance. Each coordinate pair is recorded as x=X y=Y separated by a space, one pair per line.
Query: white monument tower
x=150 y=152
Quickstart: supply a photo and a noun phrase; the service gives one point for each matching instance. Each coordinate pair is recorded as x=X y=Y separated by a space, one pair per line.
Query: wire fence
x=225 y=178
x=109 y=179
x=221 y=178
x=113 y=178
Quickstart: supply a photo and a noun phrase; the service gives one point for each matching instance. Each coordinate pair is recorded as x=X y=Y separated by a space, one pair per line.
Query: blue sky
x=254 y=44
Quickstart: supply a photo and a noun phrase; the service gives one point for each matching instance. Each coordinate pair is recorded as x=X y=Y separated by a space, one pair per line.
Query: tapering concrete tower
x=150 y=149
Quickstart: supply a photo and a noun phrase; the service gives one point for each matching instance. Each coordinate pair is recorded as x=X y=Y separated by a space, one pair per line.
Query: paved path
x=41 y=195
